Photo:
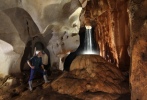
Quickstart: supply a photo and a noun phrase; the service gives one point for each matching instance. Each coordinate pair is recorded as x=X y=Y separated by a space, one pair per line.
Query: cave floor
x=43 y=91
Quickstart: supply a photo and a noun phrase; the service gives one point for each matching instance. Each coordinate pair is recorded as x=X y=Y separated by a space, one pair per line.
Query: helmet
x=37 y=52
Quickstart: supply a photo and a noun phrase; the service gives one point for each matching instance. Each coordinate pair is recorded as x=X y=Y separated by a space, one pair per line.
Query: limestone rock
x=112 y=31
x=15 y=29
x=58 y=22
x=138 y=49
x=90 y=73
x=98 y=96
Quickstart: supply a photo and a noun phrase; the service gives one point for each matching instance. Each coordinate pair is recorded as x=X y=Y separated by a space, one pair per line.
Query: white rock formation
x=59 y=18
x=11 y=46
x=56 y=22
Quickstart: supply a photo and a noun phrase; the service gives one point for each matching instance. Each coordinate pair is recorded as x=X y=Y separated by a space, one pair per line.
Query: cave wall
x=138 y=49
x=121 y=34
x=112 y=30
x=16 y=28
x=120 y=31
x=58 y=22
x=55 y=23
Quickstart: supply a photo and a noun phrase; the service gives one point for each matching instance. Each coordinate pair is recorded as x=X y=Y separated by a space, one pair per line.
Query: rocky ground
x=41 y=90
x=92 y=79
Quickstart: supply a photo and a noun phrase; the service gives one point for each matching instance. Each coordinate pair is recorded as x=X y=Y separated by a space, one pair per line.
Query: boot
x=30 y=85
x=45 y=79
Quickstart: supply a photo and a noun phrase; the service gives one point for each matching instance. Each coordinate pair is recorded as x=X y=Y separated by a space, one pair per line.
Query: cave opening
x=87 y=46
x=29 y=52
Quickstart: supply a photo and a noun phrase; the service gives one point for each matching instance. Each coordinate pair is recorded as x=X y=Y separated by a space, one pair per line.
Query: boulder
x=90 y=73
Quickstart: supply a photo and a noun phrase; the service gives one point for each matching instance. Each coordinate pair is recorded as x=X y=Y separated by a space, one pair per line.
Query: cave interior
x=114 y=30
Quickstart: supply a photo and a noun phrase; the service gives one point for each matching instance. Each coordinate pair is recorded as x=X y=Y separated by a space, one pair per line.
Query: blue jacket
x=36 y=61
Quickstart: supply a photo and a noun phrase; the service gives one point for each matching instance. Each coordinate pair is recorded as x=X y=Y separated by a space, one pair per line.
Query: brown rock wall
x=111 y=22
x=138 y=49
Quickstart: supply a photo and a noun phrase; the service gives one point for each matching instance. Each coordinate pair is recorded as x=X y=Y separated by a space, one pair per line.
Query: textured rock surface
x=56 y=23
x=14 y=33
x=90 y=73
x=111 y=22
x=138 y=49
x=19 y=90
x=40 y=92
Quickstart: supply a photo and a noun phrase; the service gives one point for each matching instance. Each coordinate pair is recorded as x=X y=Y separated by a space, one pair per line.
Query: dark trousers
x=34 y=71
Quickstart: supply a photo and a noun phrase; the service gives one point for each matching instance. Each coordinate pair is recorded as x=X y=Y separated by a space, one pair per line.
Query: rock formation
x=58 y=22
x=15 y=29
x=54 y=23
x=111 y=22
x=138 y=49
x=120 y=31
x=93 y=74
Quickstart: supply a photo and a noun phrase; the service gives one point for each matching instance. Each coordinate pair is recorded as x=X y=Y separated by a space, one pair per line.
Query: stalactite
x=113 y=27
